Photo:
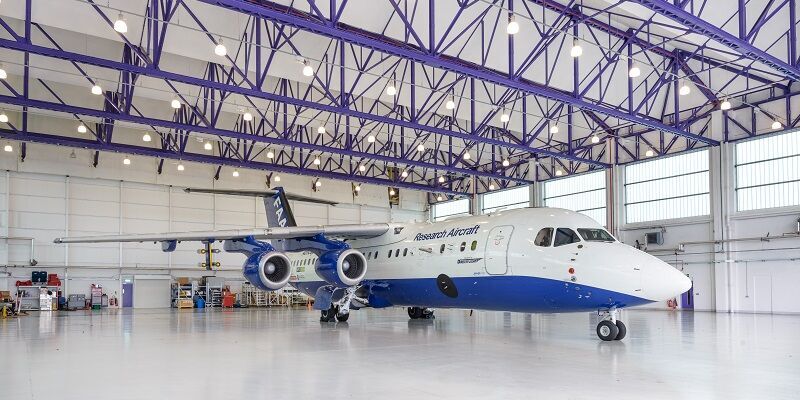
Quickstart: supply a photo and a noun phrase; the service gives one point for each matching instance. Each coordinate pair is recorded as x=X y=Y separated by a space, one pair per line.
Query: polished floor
x=380 y=354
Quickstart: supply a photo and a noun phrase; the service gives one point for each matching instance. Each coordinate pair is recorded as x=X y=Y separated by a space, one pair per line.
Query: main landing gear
x=610 y=328
x=340 y=310
x=420 y=313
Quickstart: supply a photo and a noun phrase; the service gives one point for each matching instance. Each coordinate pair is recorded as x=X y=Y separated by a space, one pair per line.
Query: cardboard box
x=182 y=281
x=5 y=295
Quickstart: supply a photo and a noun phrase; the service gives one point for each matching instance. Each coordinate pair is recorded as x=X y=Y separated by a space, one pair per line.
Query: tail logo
x=279 y=211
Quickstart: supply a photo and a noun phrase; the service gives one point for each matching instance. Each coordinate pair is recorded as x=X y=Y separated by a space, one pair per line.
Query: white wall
x=729 y=276
x=52 y=195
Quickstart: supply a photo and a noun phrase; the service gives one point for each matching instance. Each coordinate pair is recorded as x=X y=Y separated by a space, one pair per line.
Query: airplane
x=528 y=260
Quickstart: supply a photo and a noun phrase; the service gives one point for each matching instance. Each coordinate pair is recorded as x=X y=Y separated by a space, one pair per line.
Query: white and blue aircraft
x=531 y=260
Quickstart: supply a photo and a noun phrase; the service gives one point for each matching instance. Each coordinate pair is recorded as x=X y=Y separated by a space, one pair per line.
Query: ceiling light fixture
x=725 y=105
x=97 y=90
x=235 y=173
x=513 y=26
x=126 y=161
x=392 y=192
x=270 y=154
x=576 y=50
x=321 y=129
x=370 y=139
x=776 y=125
x=318 y=183
x=491 y=186
x=146 y=137
x=506 y=162
x=467 y=156
x=247 y=116
x=81 y=128
x=684 y=89
x=175 y=103
x=180 y=167
x=391 y=89
x=357 y=188
x=595 y=139
x=277 y=178
x=3 y=73
x=317 y=161
x=220 y=48
x=648 y=153
x=421 y=147
x=3 y=117
x=120 y=25
x=559 y=172
x=504 y=117
x=8 y=148
x=362 y=168
x=441 y=179
x=307 y=69
x=554 y=128
x=450 y=104
x=404 y=174
x=208 y=146
x=439 y=197
x=634 y=71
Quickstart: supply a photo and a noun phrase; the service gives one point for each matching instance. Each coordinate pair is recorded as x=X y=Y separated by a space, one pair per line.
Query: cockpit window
x=595 y=235
x=565 y=236
x=544 y=237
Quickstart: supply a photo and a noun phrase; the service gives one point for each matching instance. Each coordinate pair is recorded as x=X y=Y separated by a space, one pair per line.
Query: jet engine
x=267 y=270
x=342 y=268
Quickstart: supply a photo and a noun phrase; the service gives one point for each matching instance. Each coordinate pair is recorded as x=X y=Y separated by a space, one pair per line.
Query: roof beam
x=257 y=93
x=95 y=145
x=717 y=34
x=336 y=30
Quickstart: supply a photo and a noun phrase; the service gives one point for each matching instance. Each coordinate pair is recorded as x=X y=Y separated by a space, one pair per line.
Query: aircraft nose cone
x=663 y=282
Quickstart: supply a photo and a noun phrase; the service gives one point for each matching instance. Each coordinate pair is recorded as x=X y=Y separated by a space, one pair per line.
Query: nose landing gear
x=420 y=313
x=610 y=328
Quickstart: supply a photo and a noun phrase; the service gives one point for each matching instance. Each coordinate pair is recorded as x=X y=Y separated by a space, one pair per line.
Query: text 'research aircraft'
x=525 y=260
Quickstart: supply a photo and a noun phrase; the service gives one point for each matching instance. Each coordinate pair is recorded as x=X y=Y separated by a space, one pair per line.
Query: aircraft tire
x=415 y=312
x=607 y=331
x=328 y=315
x=342 y=317
x=622 y=330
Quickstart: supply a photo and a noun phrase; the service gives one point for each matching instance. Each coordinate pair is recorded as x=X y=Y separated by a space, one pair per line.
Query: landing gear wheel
x=415 y=312
x=427 y=313
x=622 y=330
x=329 y=315
x=607 y=330
x=342 y=317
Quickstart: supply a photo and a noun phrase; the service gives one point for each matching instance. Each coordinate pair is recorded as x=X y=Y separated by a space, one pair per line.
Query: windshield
x=595 y=235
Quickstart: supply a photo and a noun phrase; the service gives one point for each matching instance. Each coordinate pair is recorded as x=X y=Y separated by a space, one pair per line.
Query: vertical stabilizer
x=279 y=213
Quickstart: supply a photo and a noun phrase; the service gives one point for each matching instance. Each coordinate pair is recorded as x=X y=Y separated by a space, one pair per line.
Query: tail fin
x=279 y=213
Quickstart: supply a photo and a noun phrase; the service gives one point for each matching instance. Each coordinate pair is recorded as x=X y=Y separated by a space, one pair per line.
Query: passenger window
x=474 y=245
x=397 y=253
x=463 y=246
x=369 y=255
x=565 y=236
x=441 y=248
x=405 y=251
x=390 y=254
x=544 y=237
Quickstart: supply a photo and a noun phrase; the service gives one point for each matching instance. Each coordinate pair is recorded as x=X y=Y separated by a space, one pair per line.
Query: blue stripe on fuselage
x=497 y=293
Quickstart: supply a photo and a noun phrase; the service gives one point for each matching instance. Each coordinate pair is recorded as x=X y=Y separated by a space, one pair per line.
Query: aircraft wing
x=290 y=232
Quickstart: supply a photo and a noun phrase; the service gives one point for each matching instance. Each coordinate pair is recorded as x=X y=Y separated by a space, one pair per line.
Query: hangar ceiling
x=428 y=95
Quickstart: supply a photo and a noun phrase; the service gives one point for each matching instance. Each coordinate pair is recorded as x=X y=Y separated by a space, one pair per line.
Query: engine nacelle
x=342 y=268
x=267 y=271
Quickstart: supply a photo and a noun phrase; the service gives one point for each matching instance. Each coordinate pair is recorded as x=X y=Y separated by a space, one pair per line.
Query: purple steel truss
x=429 y=64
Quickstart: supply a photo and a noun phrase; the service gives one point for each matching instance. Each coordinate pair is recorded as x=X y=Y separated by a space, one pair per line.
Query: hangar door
x=496 y=260
x=151 y=292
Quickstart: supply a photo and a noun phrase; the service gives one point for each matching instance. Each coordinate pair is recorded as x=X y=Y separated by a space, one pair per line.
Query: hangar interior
x=673 y=124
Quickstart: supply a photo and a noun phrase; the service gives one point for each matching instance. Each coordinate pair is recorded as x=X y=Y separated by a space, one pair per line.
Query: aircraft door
x=496 y=258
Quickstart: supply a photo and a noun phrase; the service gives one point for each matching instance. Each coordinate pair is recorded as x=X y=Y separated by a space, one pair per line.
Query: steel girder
x=332 y=28
x=740 y=44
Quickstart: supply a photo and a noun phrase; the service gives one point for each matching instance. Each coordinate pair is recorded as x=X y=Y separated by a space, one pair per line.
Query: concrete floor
x=281 y=353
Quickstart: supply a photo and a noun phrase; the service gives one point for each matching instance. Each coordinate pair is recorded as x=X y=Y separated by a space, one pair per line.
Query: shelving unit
x=182 y=295
x=30 y=297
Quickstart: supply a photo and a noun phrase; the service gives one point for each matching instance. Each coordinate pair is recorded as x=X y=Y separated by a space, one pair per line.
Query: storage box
x=5 y=295
x=182 y=281
x=184 y=303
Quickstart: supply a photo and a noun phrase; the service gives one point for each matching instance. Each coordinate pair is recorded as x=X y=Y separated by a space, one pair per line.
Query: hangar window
x=584 y=193
x=474 y=245
x=518 y=197
x=667 y=188
x=544 y=237
x=449 y=209
x=463 y=246
x=405 y=252
x=565 y=236
x=441 y=248
x=768 y=172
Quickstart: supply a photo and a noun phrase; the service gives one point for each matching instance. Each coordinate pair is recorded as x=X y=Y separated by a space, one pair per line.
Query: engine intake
x=267 y=271
x=342 y=268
